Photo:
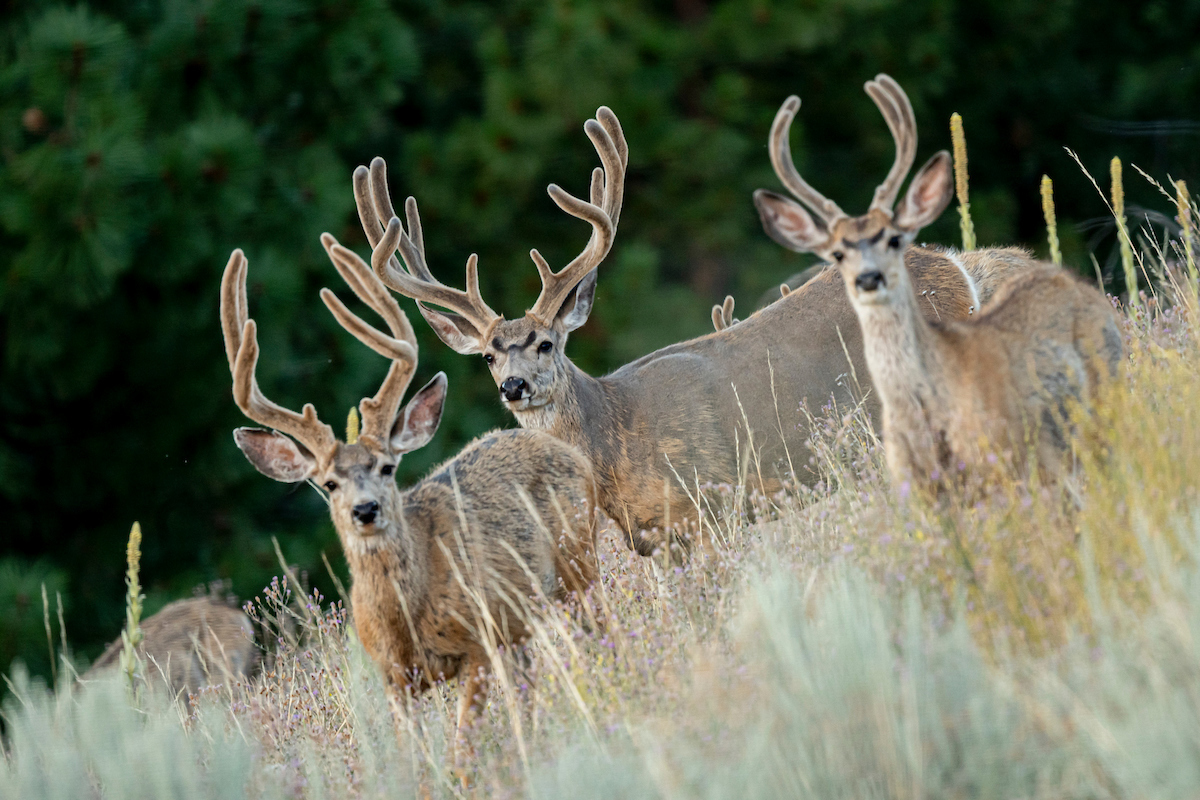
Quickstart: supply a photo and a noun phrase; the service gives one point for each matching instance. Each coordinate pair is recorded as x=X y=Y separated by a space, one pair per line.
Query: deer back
x=683 y=410
x=189 y=644
x=1036 y=355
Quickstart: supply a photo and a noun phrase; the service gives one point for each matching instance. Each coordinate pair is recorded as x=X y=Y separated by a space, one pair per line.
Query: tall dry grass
x=838 y=640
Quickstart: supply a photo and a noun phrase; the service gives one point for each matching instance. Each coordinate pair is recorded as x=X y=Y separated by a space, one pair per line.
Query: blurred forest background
x=141 y=141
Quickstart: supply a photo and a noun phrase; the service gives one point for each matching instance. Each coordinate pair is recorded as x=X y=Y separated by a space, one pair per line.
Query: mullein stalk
x=131 y=637
x=960 y=181
x=1051 y=220
x=1183 y=208
x=352 y=426
x=1118 y=208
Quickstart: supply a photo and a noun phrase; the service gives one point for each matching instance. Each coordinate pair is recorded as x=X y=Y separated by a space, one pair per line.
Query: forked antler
x=414 y=278
x=378 y=412
x=603 y=212
x=722 y=314
x=897 y=111
x=376 y=213
x=241 y=348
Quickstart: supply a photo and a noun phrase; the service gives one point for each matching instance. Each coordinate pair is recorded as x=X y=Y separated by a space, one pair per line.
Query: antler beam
x=898 y=112
x=780 y=150
x=241 y=348
x=378 y=412
x=413 y=279
x=603 y=212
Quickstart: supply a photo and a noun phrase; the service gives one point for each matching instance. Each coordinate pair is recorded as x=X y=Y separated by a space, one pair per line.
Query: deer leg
x=470 y=703
x=395 y=691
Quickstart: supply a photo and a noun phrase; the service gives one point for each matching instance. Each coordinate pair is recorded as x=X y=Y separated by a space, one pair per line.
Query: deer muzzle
x=514 y=389
x=870 y=281
x=365 y=513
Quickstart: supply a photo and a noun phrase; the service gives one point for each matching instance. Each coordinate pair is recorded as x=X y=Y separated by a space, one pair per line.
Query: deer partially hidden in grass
x=1004 y=382
x=722 y=408
x=439 y=570
x=188 y=644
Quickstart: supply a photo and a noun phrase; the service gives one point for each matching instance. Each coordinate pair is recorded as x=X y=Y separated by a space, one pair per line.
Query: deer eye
x=387 y=469
x=330 y=486
x=894 y=242
x=838 y=255
x=546 y=346
x=488 y=358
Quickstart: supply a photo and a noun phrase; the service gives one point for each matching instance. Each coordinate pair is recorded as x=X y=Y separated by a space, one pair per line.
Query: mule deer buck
x=661 y=426
x=188 y=644
x=438 y=569
x=953 y=391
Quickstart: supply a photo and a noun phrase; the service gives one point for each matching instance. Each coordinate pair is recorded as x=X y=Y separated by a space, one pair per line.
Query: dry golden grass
x=840 y=640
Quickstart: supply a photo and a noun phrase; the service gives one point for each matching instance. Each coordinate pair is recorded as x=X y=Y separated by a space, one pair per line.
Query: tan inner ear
x=788 y=223
x=927 y=197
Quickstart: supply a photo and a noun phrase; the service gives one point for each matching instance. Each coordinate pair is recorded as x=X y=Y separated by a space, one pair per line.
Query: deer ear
x=928 y=194
x=788 y=223
x=578 y=305
x=419 y=422
x=459 y=334
x=275 y=455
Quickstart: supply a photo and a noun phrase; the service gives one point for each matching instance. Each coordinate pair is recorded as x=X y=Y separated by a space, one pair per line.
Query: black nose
x=870 y=281
x=513 y=388
x=366 y=512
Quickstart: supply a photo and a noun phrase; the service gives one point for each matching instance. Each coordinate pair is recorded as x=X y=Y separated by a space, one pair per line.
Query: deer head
x=526 y=356
x=867 y=250
x=359 y=476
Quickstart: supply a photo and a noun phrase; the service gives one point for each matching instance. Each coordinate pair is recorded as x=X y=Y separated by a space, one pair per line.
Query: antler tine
x=378 y=412
x=241 y=344
x=233 y=304
x=367 y=287
x=898 y=112
x=722 y=314
x=780 y=150
x=412 y=245
x=375 y=209
x=423 y=287
x=616 y=192
x=606 y=193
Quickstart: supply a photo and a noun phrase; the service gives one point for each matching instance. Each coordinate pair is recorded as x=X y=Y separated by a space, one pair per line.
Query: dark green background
x=142 y=141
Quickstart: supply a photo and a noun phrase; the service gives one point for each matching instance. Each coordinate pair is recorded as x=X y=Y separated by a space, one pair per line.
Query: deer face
x=526 y=356
x=867 y=250
x=361 y=485
x=359 y=479
x=869 y=253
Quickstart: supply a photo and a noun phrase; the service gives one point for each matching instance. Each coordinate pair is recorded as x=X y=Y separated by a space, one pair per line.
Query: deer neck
x=568 y=417
x=390 y=574
x=901 y=353
x=592 y=415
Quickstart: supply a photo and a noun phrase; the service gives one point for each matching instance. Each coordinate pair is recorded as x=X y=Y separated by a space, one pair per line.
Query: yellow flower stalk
x=959 y=141
x=1118 y=207
x=1051 y=220
x=1183 y=207
x=352 y=426
x=131 y=637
